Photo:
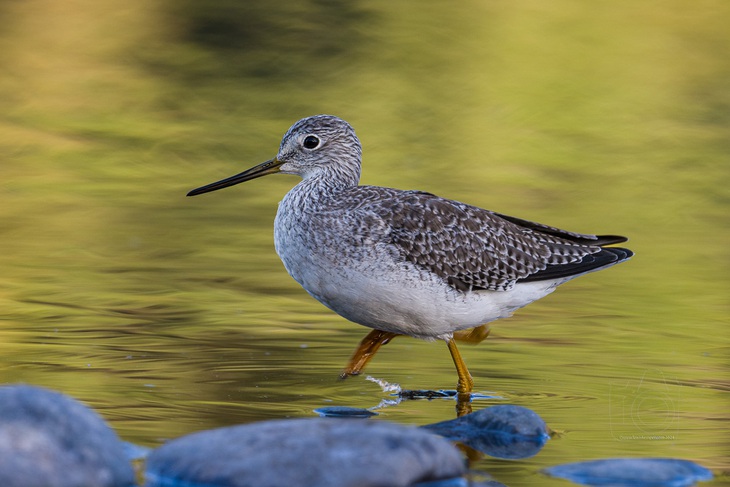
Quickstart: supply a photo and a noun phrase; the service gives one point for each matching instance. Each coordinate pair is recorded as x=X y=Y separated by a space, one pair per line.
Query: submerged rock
x=504 y=431
x=50 y=440
x=633 y=472
x=344 y=412
x=315 y=452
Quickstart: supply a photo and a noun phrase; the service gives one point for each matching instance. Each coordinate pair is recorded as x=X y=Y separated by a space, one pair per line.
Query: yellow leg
x=463 y=404
x=466 y=383
x=367 y=349
x=473 y=335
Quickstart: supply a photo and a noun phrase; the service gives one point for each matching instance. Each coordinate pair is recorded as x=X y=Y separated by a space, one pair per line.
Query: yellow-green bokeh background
x=171 y=315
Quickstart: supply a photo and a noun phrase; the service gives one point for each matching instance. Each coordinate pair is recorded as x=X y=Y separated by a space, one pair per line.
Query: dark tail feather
x=579 y=238
x=610 y=240
x=606 y=257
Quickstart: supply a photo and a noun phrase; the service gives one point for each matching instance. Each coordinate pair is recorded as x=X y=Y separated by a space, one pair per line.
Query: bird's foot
x=366 y=351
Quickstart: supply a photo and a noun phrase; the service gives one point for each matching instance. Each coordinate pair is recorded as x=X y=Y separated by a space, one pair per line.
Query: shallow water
x=170 y=315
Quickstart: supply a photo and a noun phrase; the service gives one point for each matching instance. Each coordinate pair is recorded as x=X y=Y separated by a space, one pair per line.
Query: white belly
x=400 y=298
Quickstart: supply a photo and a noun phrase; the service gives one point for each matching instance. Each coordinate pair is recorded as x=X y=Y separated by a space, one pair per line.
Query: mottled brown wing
x=472 y=248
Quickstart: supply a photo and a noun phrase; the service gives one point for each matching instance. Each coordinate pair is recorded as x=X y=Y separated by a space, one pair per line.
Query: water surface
x=172 y=315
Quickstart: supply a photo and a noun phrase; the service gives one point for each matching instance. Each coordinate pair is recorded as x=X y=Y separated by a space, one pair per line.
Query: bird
x=408 y=262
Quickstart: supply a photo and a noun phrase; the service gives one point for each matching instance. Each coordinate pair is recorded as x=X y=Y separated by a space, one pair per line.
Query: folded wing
x=472 y=248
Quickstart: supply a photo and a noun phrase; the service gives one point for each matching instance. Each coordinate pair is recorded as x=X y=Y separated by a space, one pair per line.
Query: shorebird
x=409 y=262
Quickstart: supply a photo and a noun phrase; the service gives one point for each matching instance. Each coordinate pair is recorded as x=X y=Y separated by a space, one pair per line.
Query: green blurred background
x=170 y=315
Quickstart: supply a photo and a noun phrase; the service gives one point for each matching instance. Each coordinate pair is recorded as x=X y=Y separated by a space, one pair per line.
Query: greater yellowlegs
x=409 y=262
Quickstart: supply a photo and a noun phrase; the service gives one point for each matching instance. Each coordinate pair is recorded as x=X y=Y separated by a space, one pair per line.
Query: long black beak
x=269 y=167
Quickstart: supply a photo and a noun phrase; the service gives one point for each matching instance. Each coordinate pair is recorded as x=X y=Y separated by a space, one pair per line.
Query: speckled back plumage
x=472 y=248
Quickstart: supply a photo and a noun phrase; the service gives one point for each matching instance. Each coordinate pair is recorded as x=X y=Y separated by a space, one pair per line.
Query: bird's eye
x=311 y=142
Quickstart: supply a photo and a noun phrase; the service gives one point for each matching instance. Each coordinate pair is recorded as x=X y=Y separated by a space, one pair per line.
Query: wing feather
x=472 y=248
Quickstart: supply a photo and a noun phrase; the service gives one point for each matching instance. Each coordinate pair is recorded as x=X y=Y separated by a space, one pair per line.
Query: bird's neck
x=330 y=183
x=311 y=195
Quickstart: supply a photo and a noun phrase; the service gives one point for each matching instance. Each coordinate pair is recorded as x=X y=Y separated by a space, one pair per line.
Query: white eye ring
x=310 y=142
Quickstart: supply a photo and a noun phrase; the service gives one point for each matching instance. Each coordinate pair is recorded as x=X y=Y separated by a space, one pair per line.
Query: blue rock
x=316 y=452
x=499 y=431
x=50 y=440
x=633 y=472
